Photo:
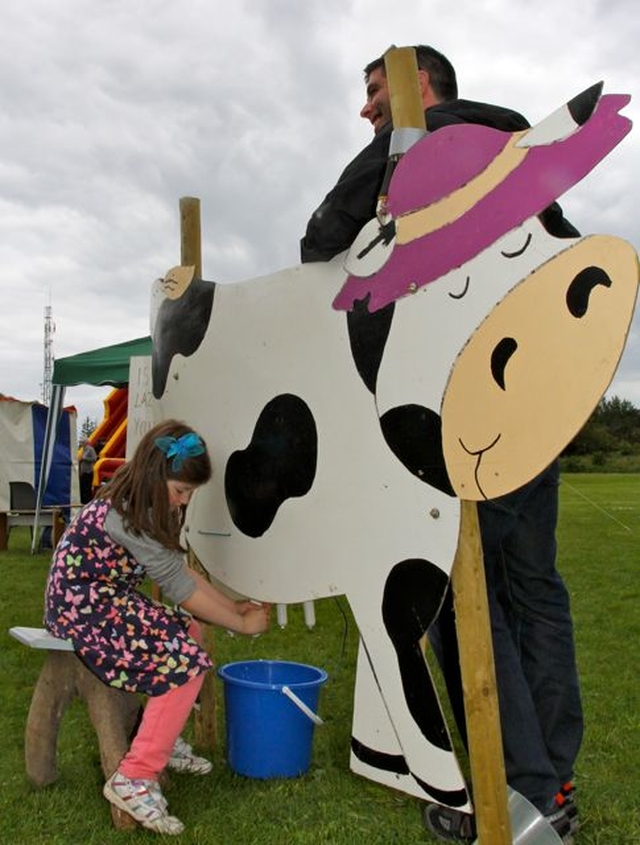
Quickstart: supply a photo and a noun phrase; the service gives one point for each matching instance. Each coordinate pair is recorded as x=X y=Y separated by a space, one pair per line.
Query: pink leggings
x=162 y=722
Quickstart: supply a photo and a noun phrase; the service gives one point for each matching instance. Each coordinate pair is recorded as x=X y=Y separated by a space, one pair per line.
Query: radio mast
x=49 y=329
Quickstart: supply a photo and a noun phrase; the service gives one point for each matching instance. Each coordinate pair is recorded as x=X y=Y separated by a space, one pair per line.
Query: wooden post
x=407 y=112
x=191 y=255
x=405 y=97
x=468 y=582
x=477 y=668
x=205 y=714
x=190 y=239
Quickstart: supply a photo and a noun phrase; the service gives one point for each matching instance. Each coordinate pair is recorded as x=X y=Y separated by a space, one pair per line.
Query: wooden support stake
x=205 y=715
x=190 y=240
x=477 y=668
x=405 y=97
x=191 y=255
x=468 y=582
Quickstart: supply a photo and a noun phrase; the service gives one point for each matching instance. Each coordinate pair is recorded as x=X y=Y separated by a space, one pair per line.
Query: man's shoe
x=557 y=817
x=452 y=825
x=448 y=824
x=566 y=798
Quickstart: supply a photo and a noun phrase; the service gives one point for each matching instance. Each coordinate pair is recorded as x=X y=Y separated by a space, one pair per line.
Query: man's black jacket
x=352 y=202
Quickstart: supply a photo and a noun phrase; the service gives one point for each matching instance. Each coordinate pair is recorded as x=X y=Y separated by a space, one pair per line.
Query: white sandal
x=184 y=760
x=143 y=801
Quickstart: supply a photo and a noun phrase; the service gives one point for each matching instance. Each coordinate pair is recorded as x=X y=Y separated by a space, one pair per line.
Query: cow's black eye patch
x=579 y=291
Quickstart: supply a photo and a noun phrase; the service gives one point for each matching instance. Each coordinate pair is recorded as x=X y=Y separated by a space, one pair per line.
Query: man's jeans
x=536 y=672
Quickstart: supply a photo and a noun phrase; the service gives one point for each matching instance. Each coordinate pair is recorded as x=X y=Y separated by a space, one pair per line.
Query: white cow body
x=467 y=389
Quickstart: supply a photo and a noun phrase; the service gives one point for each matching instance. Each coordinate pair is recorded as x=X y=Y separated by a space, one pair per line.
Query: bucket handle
x=302 y=706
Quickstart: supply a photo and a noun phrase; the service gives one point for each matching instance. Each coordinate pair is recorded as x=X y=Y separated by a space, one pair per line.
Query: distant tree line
x=612 y=429
x=88 y=426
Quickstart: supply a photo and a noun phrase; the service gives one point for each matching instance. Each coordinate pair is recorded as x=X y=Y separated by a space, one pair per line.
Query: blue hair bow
x=180 y=448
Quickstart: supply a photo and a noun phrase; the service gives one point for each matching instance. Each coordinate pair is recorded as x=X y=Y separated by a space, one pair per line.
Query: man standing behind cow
x=532 y=631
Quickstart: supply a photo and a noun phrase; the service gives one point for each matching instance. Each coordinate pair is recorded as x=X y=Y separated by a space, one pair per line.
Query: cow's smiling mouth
x=479 y=453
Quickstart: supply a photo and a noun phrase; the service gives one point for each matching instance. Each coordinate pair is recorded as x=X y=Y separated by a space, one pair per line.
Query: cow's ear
x=177 y=280
x=368 y=333
x=172 y=286
x=564 y=121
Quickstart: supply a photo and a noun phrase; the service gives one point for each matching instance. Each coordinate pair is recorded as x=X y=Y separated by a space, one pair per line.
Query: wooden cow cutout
x=474 y=347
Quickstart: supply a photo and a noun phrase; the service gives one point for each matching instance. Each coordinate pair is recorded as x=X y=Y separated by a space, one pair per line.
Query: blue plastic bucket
x=271 y=708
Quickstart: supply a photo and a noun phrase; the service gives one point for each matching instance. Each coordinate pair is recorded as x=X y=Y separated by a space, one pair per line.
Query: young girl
x=132 y=530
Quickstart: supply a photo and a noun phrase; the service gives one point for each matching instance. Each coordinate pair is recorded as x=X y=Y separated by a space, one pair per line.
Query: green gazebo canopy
x=108 y=365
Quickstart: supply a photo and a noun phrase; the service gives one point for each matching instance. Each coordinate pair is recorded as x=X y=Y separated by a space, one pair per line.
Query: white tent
x=23 y=435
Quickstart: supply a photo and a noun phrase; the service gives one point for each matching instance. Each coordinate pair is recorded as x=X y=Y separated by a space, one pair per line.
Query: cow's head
x=531 y=327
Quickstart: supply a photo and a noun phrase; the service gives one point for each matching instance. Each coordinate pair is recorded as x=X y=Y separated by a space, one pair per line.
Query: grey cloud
x=113 y=111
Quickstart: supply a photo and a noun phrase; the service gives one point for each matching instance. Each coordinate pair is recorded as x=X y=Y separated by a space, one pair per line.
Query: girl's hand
x=246 y=604
x=255 y=618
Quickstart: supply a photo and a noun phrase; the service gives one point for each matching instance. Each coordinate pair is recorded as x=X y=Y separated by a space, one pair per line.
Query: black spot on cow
x=396 y=763
x=279 y=463
x=414 y=435
x=413 y=593
x=368 y=333
x=180 y=328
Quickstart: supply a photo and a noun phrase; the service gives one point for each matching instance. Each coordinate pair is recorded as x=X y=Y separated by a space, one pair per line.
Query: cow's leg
x=375 y=750
x=391 y=636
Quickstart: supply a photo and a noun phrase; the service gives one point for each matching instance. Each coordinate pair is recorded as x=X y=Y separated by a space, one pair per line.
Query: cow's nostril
x=579 y=290
x=500 y=357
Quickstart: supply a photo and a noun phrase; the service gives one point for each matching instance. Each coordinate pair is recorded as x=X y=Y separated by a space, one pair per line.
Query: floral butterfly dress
x=125 y=638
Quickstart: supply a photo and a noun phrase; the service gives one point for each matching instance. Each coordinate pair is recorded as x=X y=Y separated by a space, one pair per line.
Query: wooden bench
x=113 y=713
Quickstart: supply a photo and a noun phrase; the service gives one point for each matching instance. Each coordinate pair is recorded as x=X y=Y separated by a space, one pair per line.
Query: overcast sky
x=114 y=109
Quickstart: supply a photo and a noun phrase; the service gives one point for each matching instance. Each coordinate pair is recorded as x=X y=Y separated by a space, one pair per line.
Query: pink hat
x=463 y=186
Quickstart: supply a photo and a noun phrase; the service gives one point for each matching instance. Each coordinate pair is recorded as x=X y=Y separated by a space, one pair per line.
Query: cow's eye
x=519 y=250
x=463 y=290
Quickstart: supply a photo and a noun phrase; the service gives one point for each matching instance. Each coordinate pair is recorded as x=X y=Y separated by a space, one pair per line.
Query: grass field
x=599 y=556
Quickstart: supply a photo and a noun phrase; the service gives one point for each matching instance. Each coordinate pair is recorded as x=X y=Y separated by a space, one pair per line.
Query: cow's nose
x=579 y=290
x=500 y=357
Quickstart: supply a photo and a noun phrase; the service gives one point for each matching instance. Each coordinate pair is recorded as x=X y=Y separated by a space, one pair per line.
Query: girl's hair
x=138 y=490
